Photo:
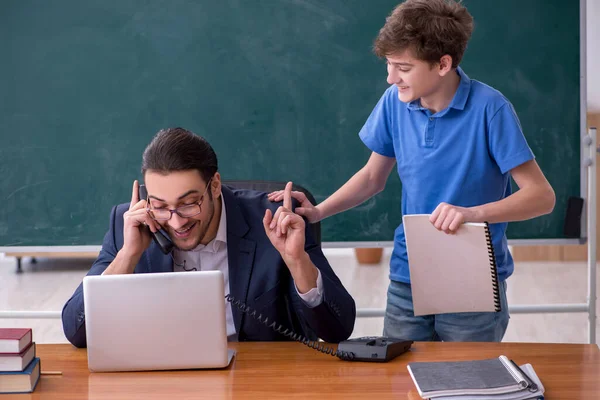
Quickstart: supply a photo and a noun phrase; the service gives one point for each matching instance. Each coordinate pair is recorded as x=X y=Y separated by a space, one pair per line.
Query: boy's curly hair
x=430 y=28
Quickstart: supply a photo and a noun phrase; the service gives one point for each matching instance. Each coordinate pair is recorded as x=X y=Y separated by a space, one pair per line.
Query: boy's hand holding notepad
x=451 y=272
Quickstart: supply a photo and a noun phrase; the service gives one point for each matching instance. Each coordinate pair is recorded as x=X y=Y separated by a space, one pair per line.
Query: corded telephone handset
x=369 y=348
x=161 y=237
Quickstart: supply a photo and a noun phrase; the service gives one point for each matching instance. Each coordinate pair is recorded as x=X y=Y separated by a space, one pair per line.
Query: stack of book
x=19 y=366
x=493 y=379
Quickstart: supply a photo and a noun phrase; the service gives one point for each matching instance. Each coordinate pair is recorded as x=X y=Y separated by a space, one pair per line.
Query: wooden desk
x=291 y=370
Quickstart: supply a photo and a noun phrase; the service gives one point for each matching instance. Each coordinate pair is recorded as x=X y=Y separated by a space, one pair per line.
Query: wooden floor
x=49 y=283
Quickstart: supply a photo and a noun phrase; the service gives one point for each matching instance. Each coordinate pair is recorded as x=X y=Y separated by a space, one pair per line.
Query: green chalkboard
x=280 y=88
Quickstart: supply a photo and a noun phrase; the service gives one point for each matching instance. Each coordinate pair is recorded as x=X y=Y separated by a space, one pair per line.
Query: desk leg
x=19 y=268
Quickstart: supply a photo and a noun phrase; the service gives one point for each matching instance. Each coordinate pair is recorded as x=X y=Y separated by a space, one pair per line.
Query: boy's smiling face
x=415 y=79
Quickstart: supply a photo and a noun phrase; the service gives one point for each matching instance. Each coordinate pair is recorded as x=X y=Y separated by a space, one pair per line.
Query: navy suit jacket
x=257 y=276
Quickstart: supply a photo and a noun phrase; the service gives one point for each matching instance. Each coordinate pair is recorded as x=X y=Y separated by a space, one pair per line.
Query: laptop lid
x=155 y=321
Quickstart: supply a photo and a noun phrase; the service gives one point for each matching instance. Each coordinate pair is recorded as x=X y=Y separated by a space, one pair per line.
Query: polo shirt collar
x=460 y=97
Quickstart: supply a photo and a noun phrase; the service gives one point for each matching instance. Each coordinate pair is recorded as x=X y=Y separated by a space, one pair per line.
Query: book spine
x=493 y=268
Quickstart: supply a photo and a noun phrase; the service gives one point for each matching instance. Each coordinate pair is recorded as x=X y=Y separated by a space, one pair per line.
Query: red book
x=17 y=361
x=14 y=340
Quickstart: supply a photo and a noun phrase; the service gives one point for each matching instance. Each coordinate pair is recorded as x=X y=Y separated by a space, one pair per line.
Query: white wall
x=593 y=55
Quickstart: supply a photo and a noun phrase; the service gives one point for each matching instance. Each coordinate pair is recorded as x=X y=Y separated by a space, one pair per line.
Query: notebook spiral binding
x=493 y=268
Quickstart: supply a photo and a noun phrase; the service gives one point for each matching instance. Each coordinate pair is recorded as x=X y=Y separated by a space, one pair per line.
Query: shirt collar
x=460 y=97
x=222 y=230
x=462 y=93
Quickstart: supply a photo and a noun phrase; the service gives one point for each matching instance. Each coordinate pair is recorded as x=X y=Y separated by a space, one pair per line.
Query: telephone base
x=373 y=348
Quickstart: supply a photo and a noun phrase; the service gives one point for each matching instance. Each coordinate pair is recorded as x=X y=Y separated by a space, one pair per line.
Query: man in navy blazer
x=268 y=257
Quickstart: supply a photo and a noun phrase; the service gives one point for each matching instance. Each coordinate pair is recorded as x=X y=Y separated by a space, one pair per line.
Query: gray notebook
x=531 y=394
x=479 y=377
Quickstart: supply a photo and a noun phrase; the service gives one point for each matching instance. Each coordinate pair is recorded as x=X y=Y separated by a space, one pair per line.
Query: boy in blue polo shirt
x=456 y=143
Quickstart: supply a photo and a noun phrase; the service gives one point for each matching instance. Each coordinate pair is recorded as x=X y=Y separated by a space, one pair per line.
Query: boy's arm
x=376 y=134
x=363 y=185
x=508 y=148
x=535 y=197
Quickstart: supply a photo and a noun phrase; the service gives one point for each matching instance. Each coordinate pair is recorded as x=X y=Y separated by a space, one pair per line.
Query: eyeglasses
x=187 y=211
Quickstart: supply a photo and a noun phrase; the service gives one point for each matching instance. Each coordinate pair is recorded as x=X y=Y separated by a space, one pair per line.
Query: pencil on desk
x=51 y=372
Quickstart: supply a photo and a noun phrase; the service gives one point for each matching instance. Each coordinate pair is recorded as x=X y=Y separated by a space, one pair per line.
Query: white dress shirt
x=213 y=256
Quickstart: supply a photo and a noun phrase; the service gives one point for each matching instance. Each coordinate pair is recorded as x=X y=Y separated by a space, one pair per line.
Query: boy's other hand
x=306 y=208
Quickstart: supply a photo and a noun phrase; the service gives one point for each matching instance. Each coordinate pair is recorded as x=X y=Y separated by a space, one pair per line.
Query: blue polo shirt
x=461 y=155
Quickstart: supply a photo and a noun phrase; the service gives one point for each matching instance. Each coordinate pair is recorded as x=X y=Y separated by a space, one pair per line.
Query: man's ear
x=215 y=185
x=445 y=65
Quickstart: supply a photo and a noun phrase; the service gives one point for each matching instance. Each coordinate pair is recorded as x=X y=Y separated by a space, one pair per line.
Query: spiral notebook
x=496 y=378
x=451 y=273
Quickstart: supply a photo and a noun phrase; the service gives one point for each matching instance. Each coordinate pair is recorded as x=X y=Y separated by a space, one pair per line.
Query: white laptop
x=156 y=321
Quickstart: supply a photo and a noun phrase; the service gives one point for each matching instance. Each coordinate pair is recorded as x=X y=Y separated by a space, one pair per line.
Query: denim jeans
x=400 y=321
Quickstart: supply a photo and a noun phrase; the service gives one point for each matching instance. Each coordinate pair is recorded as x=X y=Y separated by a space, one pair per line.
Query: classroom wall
x=569 y=252
x=578 y=253
x=593 y=55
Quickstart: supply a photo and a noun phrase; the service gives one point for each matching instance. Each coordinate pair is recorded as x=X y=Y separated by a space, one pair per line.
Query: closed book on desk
x=14 y=340
x=22 y=381
x=17 y=361
x=479 y=377
x=451 y=273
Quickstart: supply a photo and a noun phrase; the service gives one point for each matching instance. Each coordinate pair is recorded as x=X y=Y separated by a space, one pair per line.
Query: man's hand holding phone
x=136 y=236
x=136 y=221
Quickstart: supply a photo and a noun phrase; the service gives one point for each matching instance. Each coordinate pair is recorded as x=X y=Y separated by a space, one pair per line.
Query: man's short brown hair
x=430 y=28
x=177 y=149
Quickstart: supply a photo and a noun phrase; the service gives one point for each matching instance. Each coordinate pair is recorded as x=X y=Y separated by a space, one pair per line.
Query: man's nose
x=177 y=222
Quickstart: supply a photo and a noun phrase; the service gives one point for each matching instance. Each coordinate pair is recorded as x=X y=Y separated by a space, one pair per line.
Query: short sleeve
x=376 y=132
x=507 y=144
